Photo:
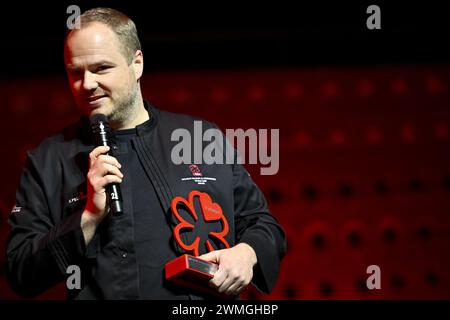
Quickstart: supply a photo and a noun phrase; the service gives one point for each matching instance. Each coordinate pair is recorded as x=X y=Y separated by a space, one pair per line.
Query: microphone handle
x=113 y=194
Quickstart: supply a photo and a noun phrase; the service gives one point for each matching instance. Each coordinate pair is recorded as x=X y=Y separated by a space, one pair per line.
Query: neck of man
x=137 y=116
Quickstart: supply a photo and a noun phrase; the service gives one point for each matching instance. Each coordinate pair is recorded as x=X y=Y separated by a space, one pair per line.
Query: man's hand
x=235 y=268
x=103 y=170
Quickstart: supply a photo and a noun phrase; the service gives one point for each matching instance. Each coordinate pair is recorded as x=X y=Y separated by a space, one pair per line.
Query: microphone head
x=98 y=117
x=101 y=132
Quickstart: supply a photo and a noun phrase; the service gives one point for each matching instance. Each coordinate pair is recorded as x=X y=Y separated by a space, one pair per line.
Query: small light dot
x=293 y=91
x=431 y=279
x=365 y=88
x=219 y=94
x=310 y=193
x=389 y=236
x=326 y=289
x=338 y=137
x=318 y=241
x=373 y=135
x=290 y=291
x=399 y=86
x=408 y=133
x=433 y=85
x=256 y=93
x=330 y=89
x=397 y=281
x=354 y=239
x=302 y=138
x=180 y=95
x=441 y=131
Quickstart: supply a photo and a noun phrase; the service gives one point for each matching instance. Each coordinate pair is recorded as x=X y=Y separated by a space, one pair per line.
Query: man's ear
x=138 y=64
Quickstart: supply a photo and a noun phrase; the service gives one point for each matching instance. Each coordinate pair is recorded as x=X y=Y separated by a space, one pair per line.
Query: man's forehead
x=94 y=35
x=93 y=44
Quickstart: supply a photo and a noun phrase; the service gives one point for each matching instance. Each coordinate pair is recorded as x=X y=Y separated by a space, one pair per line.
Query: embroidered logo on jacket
x=195 y=170
x=16 y=209
x=197 y=176
x=76 y=199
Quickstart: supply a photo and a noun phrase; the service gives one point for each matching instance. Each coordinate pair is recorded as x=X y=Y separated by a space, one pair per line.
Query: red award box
x=187 y=270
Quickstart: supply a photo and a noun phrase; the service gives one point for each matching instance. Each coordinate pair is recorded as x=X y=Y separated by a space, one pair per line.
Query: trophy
x=188 y=270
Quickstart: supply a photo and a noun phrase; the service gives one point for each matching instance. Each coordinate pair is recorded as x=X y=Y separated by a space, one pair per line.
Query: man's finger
x=109 y=168
x=234 y=289
x=96 y=152
x=219 y=277
x=212 y=256
x=103 y=182
x=103 y=158
x=99 y=150
x=229 y=281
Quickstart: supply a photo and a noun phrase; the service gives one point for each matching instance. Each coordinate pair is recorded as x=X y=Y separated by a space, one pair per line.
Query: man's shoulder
x=182 y=120
x=60 y=140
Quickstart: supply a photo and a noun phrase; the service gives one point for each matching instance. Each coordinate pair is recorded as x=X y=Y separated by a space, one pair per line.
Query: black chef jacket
x=152 y=233
x=46 y=236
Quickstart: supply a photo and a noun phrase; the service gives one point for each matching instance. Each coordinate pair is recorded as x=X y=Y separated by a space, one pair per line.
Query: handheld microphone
x=102 y=137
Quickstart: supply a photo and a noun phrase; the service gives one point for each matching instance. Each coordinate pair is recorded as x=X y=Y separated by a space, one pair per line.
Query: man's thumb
x=212 y=256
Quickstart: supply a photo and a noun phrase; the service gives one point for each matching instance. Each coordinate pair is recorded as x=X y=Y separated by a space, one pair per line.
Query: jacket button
x=124 y=255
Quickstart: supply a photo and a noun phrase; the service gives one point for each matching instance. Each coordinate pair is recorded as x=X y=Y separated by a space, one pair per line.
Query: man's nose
x=89 y=81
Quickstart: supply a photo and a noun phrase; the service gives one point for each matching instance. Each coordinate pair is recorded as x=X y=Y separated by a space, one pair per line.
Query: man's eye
x=103 y=68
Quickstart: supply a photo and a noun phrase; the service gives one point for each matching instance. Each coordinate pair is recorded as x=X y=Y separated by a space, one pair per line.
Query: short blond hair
x=119 y=23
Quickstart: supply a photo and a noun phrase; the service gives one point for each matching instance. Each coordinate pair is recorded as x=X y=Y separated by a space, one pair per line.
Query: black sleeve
x=41 y=245
x=257 y=227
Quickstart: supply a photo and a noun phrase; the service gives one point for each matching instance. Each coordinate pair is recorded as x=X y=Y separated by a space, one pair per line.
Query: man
x=62 y=219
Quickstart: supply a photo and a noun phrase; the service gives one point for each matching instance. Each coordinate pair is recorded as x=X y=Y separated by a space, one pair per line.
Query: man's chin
x=102 y=109
x=97 y=111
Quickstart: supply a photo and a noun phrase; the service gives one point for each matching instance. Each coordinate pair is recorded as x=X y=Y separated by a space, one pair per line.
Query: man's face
x=102 y=80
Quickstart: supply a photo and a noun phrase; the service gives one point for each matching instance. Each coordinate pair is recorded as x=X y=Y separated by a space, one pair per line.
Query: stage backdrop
x=364 y=176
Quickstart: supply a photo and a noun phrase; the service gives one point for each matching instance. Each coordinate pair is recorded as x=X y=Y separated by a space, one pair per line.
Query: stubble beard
x=124 y=109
